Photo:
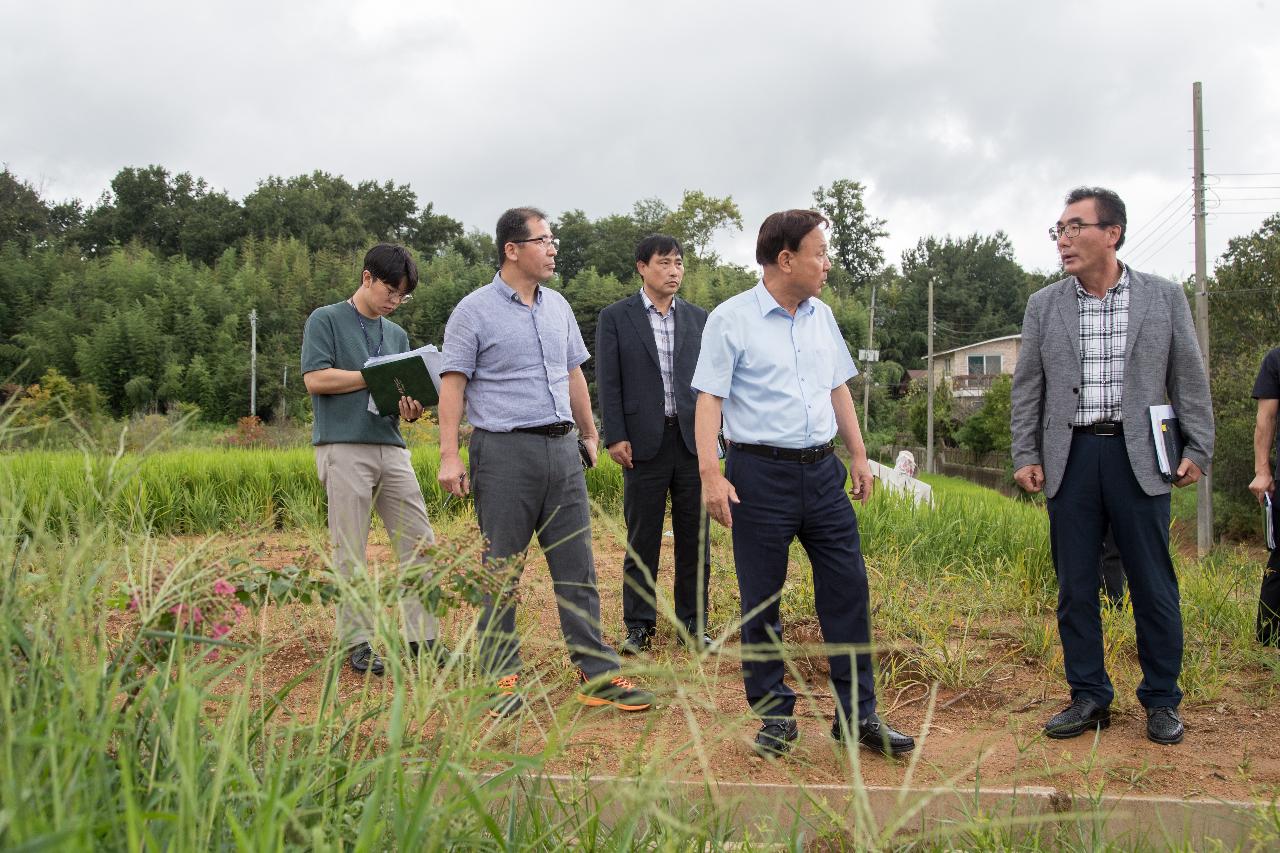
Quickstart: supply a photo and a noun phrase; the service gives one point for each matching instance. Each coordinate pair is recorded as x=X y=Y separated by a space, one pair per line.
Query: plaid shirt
x=1104 y=326
x=664 y=335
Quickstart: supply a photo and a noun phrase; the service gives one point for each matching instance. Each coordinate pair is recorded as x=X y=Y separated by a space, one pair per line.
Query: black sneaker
x=434 y=652
x=1082 y=715
x=698 y=640
x=507 y=701
x=617 y=691
x=1164 y=725
x=776 y=737
x=363 y=660
x=874 y=733
x=638 y=641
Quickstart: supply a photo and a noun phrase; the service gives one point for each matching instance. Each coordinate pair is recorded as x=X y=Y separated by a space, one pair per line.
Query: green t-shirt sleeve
x=319 y=348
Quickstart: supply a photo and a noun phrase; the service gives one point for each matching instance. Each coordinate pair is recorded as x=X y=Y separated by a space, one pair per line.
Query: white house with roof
x=971 y=368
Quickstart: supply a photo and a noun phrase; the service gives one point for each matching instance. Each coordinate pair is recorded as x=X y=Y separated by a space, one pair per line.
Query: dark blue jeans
x=1098 y=489
x=781 y=501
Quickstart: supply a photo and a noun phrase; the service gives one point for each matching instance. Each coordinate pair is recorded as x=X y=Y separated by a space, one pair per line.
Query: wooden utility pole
x=253 y=361
x=1204 y=490
x=928 y=450
x=871 y=345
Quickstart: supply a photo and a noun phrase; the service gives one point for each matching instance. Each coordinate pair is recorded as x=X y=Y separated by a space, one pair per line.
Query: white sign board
x=868 y=355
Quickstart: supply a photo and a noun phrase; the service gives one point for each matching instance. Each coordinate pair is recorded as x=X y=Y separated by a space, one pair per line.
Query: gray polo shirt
x=333 y=338
x=516 y=357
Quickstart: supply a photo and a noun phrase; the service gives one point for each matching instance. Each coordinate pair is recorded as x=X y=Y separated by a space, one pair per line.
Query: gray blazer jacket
x=629 y=381
x=1161 y=365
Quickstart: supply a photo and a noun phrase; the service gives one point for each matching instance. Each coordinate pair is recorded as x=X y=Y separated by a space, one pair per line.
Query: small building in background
x=970 y=369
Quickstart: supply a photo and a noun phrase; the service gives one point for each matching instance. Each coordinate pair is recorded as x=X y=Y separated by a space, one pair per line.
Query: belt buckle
x=1105 y=429
x=809 y=455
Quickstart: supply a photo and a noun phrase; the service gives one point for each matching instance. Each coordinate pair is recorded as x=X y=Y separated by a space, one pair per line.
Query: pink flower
x=212 y=656
x=134 y=603
x=220 y=630
x=239 y=609
x=196 y=615
x=223 y=587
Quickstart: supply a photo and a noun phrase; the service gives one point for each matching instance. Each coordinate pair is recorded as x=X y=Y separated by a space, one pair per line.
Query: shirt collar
x=509 y=294
x=648 y=303
x=1119 y=287
x=767 y=304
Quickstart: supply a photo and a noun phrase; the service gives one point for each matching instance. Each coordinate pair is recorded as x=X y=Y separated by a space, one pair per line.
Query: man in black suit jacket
x=647 y=346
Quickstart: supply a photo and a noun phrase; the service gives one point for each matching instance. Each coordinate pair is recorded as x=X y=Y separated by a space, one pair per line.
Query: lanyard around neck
x=382 y=332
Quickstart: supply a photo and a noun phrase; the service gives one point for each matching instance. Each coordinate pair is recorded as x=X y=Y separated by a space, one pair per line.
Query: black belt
x=672 y=421
x=554 y=430
x=1101 y=428
x=803 y=455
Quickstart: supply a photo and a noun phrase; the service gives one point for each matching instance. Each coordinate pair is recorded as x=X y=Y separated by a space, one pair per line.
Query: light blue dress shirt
x=774 y=372
x=516 y=357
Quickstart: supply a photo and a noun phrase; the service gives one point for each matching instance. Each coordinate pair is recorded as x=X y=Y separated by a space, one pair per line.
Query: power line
x=1153 y=253
x=1164 y=225
x=1179 y=195
x=1240 y=174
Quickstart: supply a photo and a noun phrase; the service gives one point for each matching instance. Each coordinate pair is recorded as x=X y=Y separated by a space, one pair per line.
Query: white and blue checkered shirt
x=1104 y=328
x=664 y=335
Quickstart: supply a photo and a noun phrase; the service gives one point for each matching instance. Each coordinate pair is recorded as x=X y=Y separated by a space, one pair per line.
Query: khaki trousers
x=356 y=478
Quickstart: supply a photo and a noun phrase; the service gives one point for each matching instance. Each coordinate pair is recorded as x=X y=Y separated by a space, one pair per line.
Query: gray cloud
x=960 y=117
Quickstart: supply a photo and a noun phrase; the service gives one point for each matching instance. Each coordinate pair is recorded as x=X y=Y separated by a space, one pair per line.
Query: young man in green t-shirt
x=361 y=457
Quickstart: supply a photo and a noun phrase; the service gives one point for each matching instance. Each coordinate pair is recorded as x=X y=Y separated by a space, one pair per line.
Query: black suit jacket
x=629 y=381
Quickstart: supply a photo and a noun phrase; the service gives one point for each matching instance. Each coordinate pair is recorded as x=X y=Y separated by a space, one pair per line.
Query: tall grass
x=203 y=491
x=193 y=753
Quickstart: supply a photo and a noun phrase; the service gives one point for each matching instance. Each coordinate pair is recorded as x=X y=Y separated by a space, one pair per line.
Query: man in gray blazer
x=1099 y=348
x=646 y=349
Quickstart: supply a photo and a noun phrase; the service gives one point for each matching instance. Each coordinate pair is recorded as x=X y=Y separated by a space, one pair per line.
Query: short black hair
x=513 y=226
x=1110 y=208
x=785 y=230
x=393 y=265
x=657 y=244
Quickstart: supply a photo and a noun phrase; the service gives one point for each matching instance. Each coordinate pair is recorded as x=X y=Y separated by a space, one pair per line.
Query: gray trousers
x=525 y=485
x=357 y=477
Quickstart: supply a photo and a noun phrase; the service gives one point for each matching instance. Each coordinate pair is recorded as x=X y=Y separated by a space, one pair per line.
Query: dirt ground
x=989 y=735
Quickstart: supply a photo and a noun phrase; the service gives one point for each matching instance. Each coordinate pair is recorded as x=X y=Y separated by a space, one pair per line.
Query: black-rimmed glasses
x=1072 y=229
x=545 y=241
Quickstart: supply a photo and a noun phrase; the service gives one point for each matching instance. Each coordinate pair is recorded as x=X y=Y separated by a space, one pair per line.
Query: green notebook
x=413 y=374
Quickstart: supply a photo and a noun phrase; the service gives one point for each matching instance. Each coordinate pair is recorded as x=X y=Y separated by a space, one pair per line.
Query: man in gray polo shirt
x=513 y=353
x=361 y=457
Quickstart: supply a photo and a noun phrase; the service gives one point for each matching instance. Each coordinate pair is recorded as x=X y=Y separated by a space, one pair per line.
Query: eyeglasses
x=397 y=296
x=546 y=241
x=1072 y=229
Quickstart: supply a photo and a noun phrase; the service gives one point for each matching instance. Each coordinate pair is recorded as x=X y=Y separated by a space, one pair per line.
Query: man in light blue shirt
x=773 y=366
x=513 y=353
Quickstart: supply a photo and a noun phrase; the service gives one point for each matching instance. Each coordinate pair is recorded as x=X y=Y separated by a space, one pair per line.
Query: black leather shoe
x=434 y=652
x=699 y=641
x=874 y=733
x=1164 y=725
x=363 y=659
x=638 y=640
x=1082 y=715
x=776 y=737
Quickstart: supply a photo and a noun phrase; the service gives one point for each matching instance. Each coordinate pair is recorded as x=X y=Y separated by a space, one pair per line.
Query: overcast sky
x=959 y=117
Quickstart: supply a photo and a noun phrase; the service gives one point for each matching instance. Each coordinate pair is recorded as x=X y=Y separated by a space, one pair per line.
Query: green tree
x=855 y=234
x=695 y=222
x=24 y=217
x=979 y=293
x=1244 y=316
x=987 y=430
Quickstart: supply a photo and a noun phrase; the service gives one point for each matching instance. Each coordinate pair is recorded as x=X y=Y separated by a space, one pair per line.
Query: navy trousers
x=644 y=506
x=782 y=501
x=1098 y=489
